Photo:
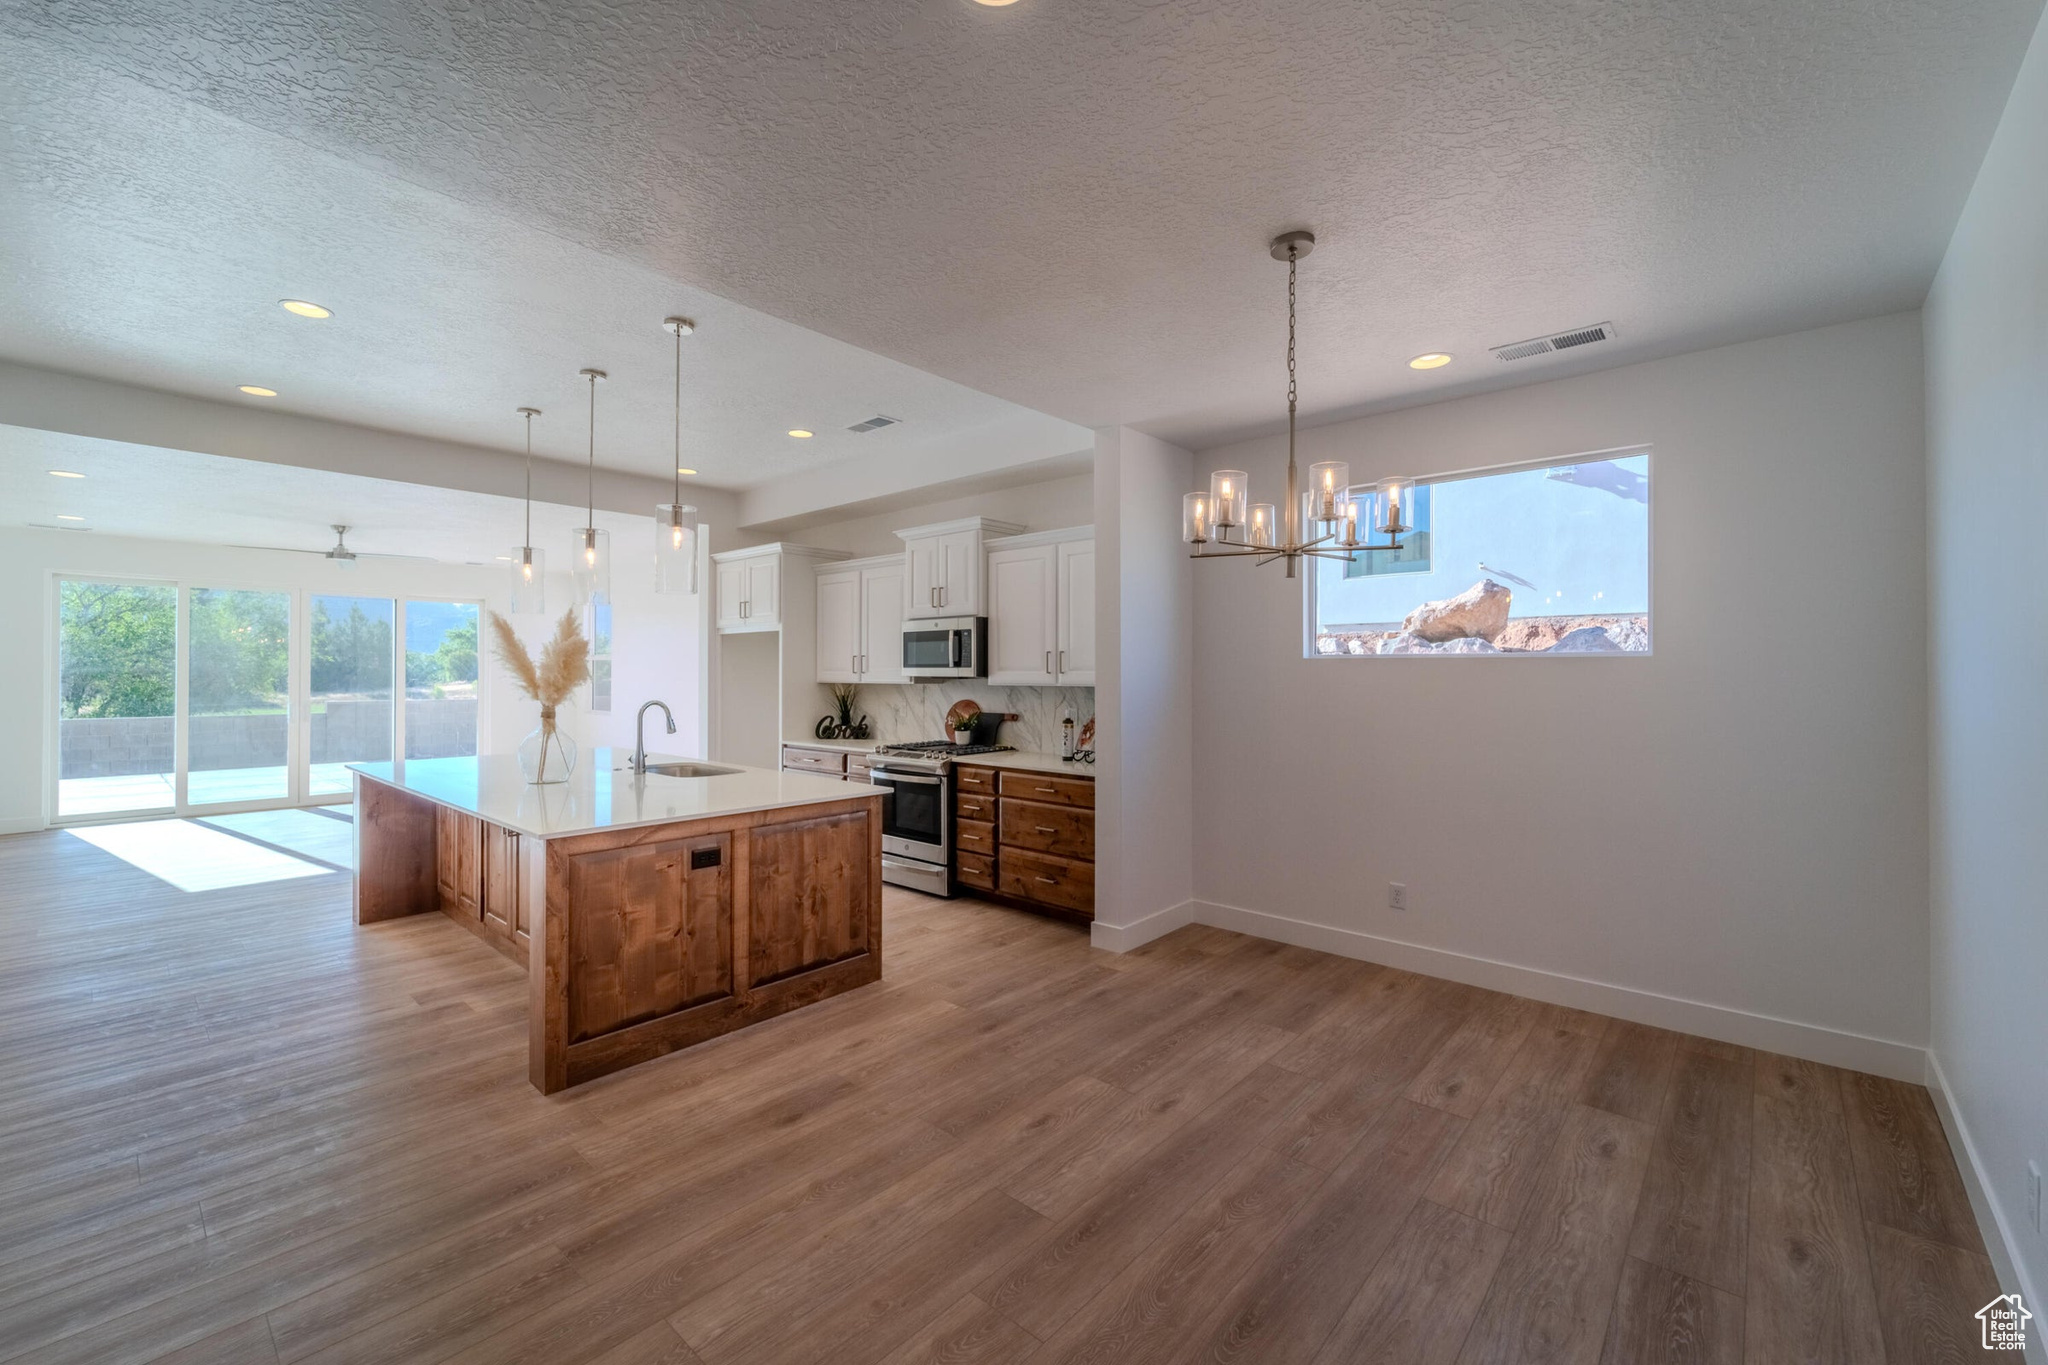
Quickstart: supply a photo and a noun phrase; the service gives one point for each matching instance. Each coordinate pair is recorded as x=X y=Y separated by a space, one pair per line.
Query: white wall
x=1044 y=506
x=1987 y=436
x=657 y=651
x=1737 y=821
x=1144 y=691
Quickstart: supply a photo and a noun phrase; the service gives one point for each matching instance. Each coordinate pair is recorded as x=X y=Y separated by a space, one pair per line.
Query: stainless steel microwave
x=949 y=647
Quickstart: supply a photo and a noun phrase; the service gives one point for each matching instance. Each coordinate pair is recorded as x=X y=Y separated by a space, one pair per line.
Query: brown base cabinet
x=1026 y=838
x=478 y=880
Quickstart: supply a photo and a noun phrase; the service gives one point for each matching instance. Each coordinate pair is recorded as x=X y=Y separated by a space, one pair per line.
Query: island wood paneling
x=647 y=935
x=394 y=853
x=379 y=1182
x=458 y=863
x=810 y=902
x=799 y=892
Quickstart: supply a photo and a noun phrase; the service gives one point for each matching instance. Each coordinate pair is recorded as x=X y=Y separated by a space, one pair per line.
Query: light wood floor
x=236 y=1129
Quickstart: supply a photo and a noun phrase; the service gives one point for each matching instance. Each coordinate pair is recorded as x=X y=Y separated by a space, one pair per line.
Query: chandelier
x=1320 y=523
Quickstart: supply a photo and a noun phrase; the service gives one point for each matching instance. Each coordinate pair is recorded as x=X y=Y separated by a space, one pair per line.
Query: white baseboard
x=27 y=826
x=1992 y=1223
x=1121 y=938
x=1854 y=1051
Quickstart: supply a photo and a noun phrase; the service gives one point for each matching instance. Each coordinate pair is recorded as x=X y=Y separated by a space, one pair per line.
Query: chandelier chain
x=1291 y=256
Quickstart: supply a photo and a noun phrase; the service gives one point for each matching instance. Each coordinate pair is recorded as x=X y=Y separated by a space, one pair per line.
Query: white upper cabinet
x=1041 y=610
x=753 y=583
x=732 y=596
x=860 y=621
x=1074 y=656
x=944 y=567
x=839 y=622
x=1022 y=615
x=882 y=594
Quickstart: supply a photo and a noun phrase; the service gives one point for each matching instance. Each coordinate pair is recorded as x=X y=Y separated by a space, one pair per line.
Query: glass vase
x=547 y=755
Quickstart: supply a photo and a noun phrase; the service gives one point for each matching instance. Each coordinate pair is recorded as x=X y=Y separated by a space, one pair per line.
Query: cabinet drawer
x=1048 y=880
x=1060 y=791
x=969 y=806
x=814 y=761
x=976 y=870
x=1067 y=831
x=975 y=836
x=981 y=781
x=858 y=766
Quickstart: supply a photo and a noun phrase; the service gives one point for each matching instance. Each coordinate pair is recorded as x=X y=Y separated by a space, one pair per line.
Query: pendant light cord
x=528 y=543
x=590 y=470
x=678 y=461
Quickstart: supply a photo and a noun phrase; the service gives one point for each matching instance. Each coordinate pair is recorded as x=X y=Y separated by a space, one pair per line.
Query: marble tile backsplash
x=918 y=710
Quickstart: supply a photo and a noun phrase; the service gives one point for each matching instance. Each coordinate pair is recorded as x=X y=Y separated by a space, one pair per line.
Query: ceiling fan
x=342 y=557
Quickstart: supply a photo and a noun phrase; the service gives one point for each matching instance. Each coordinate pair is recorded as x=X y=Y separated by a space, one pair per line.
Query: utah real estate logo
x=2005 y=1321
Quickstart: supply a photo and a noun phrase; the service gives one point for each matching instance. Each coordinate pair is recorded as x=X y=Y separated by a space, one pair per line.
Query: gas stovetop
x=940 y=748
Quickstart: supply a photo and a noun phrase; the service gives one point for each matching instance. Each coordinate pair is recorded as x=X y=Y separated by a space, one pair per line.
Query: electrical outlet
x=1397 y=895
x=2034 y=1195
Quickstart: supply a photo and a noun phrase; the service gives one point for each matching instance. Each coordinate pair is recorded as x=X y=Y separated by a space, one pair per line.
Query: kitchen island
x=649 y=912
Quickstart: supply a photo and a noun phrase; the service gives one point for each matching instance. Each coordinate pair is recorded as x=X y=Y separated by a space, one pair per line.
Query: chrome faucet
x=640 y=734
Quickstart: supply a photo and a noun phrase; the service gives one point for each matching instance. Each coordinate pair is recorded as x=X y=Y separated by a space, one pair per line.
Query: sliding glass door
x=238 y=697
x=440 y=679
x=182 y=698
x=117 y=698
x=352 y=719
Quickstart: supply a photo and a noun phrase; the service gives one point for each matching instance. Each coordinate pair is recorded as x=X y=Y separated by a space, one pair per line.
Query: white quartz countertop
x=1030 y=762
x=1024 y=759
x=600 y=794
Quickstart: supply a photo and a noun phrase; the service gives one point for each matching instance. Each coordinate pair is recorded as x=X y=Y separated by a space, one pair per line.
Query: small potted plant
x=962 y=728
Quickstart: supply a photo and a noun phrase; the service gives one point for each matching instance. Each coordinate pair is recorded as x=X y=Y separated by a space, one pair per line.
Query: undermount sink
x=685 y=769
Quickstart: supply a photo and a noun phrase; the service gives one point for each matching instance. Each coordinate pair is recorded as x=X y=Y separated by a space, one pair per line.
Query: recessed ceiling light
x=1434 y=360
x=305 y=309
x=685 y=472
x=801 y=434
x=65 y=474
x=995 y=4
x=258 y=391
x=64 y=517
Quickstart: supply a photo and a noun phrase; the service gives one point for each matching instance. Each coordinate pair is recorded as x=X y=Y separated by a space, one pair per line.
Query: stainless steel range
x=917 y=811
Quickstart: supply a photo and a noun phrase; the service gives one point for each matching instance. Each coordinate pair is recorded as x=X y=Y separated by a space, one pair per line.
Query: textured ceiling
x=149 y=238
x=209 y=499
x=1064 y=204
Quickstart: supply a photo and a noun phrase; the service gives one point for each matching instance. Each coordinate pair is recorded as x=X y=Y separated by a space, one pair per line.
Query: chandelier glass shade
x=1321 y=521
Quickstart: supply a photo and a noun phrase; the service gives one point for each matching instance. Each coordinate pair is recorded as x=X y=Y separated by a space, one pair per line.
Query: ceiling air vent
x=875 y=423
x=1557 y=341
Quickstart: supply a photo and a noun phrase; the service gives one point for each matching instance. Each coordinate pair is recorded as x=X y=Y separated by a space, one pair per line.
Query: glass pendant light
x=529 y=562
x=675 y=523
x=592 y=565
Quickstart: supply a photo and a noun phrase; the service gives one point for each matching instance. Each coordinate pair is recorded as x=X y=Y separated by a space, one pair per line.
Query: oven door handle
x=890 y=775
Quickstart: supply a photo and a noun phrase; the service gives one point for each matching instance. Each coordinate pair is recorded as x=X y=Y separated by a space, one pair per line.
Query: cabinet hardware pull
x=1050 y=881
x=1045 y=829
x=1063 y=661
x=1049 y=791
x=1048 y=662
